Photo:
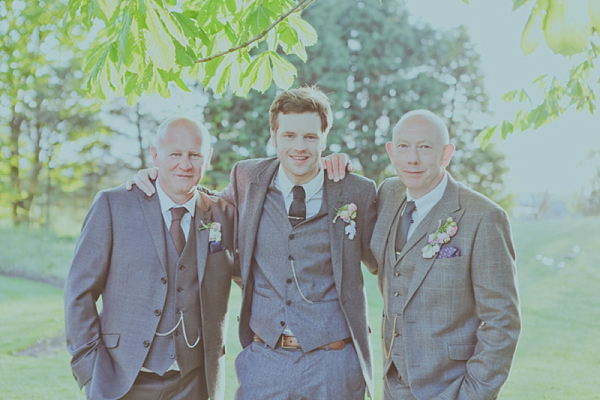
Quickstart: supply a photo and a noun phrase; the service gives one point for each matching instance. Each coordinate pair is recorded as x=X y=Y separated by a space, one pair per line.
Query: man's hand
x=336 y=165
x=142 y=180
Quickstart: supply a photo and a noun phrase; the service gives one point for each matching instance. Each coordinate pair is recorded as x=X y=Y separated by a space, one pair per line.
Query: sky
x=545 y=160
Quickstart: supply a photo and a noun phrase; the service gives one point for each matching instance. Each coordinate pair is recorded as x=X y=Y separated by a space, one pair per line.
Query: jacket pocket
x=111 y=340
x=460 y=352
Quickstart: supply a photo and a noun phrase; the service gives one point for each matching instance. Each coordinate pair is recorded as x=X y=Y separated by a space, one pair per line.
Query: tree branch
x=303 y=4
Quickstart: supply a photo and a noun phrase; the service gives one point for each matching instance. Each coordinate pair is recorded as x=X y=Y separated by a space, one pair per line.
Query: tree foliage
x=42 y=106
x=375 y=63
x=569 y=28
x=145 y=44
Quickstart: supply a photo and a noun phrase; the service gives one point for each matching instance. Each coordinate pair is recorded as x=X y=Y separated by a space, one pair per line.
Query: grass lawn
x=558 y=356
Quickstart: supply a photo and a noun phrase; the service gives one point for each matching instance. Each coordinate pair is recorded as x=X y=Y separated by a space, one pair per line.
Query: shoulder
x=118 y=195
x=209 y=202
x=475 y=202
x=357 y=182
x=254 y=164
x=391 y=184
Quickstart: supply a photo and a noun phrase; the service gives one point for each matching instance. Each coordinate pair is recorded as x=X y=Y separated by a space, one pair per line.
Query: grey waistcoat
x=307 y=302
x=398 y=278
x=182 y=294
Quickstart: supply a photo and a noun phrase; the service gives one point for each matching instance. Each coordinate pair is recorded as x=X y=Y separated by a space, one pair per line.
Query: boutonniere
x=214 y=231
x=347 y=213
x=441 y=236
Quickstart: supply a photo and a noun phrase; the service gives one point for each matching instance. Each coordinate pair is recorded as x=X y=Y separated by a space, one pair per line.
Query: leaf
x=146 y=78
x=172 y=27
x=182 y=56
x=284 y=72
x=485 y=136
x=594 y=11
x=263 y=74
x=187 y=24
x=131 y=84
x=231 y=6
x=567 y=27
x=519 y=3
x=509 y=96
x=505 y=129
x=533 y=32
x=159 y=45
x=306 y=33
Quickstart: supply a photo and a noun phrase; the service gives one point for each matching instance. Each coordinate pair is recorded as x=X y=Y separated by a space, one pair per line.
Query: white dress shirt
x=313 y=190
x=165 y=207
x=426 y=203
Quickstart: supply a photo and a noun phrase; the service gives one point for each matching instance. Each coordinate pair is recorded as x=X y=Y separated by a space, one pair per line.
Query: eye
x=312 y=137
x=196 y=156
x=175 y=154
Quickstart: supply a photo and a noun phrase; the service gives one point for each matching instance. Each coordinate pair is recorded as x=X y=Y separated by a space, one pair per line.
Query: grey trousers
x=280 y=374
x=394 y=387
x=170 y=386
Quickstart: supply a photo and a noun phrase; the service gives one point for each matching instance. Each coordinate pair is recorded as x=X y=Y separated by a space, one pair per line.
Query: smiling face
x=420 y=152
x=182 y=157
x=299 y=142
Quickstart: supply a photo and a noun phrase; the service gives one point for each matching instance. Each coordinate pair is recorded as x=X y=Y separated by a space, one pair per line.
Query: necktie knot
x=410 y=208
x=298 y=192
x=177 y=213
x=404 y=226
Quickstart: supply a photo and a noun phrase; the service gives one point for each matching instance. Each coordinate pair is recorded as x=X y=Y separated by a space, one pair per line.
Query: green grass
x=558 y=356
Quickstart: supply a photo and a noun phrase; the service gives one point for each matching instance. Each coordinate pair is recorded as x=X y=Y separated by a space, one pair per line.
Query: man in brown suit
x=446 y=272
x=163 y=266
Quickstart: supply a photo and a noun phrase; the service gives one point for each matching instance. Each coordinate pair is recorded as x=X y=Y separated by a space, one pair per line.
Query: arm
x=368 y=220
x=493 y=273
x=85 y=283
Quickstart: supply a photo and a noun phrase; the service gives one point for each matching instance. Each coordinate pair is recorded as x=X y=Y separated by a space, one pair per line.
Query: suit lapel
x=336 y=199
x=254 y=203
x=389 y=211
x=155 y=223
x=448 y=206
x=203 y=217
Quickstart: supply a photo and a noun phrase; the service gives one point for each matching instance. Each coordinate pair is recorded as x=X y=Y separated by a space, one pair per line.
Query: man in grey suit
x=163 y=266
x=303 y=323
x=447 y=274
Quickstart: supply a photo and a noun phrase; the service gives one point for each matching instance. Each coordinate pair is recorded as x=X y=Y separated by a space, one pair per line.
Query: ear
x=208 y=158
x=389 y=148
x=447 y=154
x=154 y=153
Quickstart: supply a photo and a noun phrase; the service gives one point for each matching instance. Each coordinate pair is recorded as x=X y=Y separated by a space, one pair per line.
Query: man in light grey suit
x=163 y=266
x=447 y=275
x=303 y=323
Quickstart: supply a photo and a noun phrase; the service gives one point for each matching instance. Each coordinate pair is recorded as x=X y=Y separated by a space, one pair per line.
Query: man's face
x=419 y=155
x=299 y=142
x=181 y=160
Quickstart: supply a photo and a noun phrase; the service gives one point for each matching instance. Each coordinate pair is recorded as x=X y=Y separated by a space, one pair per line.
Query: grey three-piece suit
x=125 y=255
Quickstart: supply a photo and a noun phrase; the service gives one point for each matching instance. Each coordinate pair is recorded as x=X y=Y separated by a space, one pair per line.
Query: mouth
x=298 y=158
x=413 y=173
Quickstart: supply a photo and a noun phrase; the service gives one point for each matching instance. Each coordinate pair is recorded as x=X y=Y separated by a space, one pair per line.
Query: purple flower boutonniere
x=438 y=238
x=348 y=213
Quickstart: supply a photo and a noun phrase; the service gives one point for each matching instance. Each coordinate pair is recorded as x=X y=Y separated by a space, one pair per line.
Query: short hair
x=429 y=116
x=302 y=100
x=162 y=130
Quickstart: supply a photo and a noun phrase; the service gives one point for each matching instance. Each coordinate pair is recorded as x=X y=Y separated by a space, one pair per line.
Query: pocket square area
x=449 y=252
x=216 y=247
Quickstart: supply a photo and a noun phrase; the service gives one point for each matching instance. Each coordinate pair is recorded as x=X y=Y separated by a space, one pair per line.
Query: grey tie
x=402 y=235
x=298 y=207
x=175 y=229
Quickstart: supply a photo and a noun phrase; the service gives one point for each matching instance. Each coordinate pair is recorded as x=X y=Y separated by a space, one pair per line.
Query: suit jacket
x=248 y=189
x=461 y=320
x=121 y=256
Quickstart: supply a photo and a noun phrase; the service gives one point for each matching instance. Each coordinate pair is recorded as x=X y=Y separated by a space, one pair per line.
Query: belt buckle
x=283 y=346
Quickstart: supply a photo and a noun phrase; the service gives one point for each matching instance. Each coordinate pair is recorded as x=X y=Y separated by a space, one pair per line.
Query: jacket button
x=157 y=312
x=292 y=236
x=396 y=274
x=282 y=323
x=163 y=280
x=290 y=258
x=181 y=267
x=289 y=302
x=396 y=294
x=396 y=334
x=179 y=289
x=289 y=280
x=146 y=343
x=242 y=287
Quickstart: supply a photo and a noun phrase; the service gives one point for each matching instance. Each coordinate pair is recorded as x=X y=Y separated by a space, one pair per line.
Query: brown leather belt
x=291 y=343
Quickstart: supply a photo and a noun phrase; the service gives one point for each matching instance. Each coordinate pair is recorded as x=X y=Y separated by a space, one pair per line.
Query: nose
x=299 y=144
x=185 y=164
x=413 y=156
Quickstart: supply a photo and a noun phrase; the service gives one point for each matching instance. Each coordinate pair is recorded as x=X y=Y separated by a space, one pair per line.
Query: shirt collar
x=426 y=203
x=310 y=188
x=166 y=203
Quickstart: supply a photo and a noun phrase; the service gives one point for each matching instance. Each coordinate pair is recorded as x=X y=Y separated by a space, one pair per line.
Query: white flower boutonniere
x=215 y=231
x=348 y=213
x=441 y=236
